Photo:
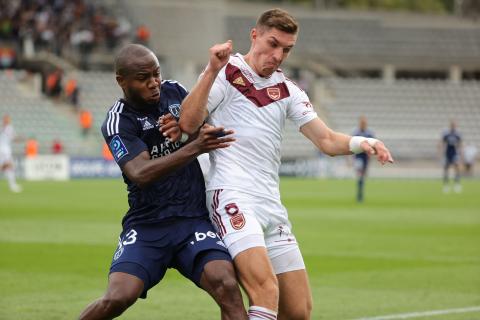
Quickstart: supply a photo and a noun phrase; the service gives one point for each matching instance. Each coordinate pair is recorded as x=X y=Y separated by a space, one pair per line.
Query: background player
x=167 y=223
x=361 y=159
x=252 y=96
x=7 y=135
x=451 y=148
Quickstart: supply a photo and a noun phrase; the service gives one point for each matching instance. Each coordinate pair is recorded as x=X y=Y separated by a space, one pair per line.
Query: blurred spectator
x=57 y=146
x=142 y=35
x=31 y=148
x=106 y=153
x=86 y=121
x=72 y=92
x=7 y=57
x=469 y=157
x=56 y=25
x=53 y=83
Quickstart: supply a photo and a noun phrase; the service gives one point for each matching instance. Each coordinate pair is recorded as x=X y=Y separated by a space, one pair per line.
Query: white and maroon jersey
x=6 y=136
x=256 y=109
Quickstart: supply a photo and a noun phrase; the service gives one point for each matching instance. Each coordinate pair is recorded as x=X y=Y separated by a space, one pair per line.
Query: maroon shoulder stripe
x=261 y=97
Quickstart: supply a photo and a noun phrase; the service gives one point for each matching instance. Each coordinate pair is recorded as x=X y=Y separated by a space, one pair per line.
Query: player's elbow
x=187 y=126
x=140 y=178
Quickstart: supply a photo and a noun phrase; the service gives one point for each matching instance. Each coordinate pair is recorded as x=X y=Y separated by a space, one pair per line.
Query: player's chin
x=152 y=99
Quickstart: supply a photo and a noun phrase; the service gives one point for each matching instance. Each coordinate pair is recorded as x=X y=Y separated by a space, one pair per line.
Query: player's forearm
x=194 y=106
x=334 y=144
x=148 y=171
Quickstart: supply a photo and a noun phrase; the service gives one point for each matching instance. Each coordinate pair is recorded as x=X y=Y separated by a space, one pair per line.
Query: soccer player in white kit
x=249 y=94
x=6 y=160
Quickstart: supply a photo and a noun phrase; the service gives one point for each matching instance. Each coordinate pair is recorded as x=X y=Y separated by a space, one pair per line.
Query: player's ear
x=120 y=80
x=253 y=34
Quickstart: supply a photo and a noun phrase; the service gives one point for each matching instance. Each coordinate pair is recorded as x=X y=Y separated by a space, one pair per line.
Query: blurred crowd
x=56 y=25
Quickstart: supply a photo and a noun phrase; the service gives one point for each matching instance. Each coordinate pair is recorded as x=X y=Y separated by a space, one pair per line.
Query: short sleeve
x=300 y=110
x=123 y=140
x=182 y=91
x=217 y=92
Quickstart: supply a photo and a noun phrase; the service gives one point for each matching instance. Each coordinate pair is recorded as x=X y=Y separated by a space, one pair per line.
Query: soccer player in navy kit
x=361 y=159
x=451 y=143
x=167 y=224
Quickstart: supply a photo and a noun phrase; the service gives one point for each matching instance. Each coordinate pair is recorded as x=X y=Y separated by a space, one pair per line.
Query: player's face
x=6 y=120
x=142 y=84
x=269 y=48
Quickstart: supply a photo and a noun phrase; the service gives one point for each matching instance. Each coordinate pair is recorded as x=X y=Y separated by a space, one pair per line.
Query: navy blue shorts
x=148 y=250
x=451 y=159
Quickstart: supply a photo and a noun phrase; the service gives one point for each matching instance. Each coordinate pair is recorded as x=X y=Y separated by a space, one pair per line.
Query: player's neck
x=138 y=106
x=248 y=59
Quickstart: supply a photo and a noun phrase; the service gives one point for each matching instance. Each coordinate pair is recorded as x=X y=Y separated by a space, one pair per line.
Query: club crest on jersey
x=174 y=110
x=273 y=93
x=239 y=81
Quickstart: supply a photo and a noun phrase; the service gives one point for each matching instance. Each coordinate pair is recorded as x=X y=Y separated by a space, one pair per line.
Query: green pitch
x=408 y=248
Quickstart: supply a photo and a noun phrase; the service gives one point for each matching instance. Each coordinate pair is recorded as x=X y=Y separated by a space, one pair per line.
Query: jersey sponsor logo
x=118 y=148
x=237 y=219
x=247 y=74
x=307 y=104
x=147 y=125
x=174 y=110
x=200 y=236
x=273 y=93
x=165 y=148
x=239 y=81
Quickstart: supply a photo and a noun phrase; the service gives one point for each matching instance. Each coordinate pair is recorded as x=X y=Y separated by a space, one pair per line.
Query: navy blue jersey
x=367 y=134
x=128 y=132
x=451 y=141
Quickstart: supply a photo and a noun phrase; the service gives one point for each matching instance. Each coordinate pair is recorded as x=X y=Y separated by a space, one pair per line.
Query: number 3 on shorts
x=130 y=237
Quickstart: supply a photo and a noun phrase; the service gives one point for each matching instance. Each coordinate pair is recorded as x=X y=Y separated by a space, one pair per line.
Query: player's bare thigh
x=257 y=277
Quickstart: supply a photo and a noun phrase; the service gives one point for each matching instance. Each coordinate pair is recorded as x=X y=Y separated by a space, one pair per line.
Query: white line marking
x=422 y=314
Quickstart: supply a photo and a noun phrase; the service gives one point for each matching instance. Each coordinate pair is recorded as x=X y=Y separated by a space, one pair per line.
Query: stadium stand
x=36 y=116
x=408 y=114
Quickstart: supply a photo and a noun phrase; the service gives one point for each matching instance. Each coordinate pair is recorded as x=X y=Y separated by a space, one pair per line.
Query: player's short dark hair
x=278 y=19
x=125 y=56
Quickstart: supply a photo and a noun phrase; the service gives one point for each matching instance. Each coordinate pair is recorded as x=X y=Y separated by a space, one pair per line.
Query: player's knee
x=266 y=288
x=298 y=312
x=222 y=281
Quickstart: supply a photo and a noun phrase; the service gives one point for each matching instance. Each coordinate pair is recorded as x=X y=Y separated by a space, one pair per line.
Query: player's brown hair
x=278 y=19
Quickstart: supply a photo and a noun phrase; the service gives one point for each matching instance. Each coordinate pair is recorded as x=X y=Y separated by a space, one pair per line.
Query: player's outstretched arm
x=142 y=170
x=194 y=106
x=336 y=143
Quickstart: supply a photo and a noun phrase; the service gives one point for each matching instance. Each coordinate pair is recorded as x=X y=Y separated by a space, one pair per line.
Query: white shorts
x=245 y=221
x=5 y=157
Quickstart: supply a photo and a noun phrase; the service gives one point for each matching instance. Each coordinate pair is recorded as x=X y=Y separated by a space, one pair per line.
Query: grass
x=408 y=248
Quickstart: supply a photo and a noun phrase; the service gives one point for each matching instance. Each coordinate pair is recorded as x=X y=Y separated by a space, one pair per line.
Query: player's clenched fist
x=219 y=55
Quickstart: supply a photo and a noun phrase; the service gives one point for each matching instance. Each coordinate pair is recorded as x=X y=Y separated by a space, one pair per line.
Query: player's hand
x=210 y=138
x=169 y=127
x=382 y=153
x=219 y=55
